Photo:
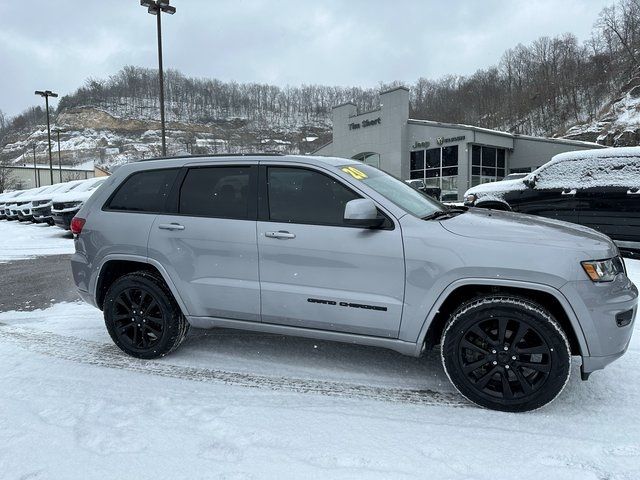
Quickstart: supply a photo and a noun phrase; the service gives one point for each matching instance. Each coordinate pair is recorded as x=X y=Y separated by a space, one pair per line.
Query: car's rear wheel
x=142 y=317
x=506 y=353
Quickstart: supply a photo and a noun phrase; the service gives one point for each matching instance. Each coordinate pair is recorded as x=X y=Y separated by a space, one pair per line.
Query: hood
x=483 y=224
x=73 y=196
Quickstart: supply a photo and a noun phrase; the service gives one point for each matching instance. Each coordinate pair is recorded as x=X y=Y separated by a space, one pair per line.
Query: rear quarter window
x=144 y=191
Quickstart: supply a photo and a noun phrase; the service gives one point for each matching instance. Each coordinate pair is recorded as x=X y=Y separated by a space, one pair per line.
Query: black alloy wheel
x=142 y=317
x=138 y=318
x=506 y=353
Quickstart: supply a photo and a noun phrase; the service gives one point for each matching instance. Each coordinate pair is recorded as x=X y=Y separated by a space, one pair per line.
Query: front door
x=208 y=243
x=316 y=272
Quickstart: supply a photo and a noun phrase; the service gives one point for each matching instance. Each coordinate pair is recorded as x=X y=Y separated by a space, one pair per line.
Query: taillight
x=76 y=225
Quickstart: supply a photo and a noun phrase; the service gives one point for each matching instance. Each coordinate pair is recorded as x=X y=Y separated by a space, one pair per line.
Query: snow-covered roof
x=617 y=152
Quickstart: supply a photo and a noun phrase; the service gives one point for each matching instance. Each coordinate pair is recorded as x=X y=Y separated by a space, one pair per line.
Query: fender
x=573 y=319
x=140 y=259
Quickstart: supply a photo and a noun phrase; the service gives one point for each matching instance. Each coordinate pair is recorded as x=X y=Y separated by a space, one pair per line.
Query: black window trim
x=173 y=199
x=263 y=197
x=106 y=206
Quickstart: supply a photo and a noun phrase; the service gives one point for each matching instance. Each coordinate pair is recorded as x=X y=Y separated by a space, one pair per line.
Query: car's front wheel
x=506 y=353
x=142 y=317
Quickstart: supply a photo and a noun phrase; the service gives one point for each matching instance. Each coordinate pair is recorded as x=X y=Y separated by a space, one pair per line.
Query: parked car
x=595 y=188
x=24 y=207
x=4 y=198
x=13 y=206
x=41 y=204
x=66 y=205
x=333 y=249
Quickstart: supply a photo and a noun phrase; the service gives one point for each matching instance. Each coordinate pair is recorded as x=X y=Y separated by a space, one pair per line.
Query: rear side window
x=298 y=195
x=219 y=192
x=144 y=191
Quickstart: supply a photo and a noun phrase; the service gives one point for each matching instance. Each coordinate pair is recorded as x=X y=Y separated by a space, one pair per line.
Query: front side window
x=298 y=195
x=145 y=191
x=218 y=192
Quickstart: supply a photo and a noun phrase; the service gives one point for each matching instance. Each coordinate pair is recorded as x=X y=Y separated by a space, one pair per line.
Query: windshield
x=409 y=199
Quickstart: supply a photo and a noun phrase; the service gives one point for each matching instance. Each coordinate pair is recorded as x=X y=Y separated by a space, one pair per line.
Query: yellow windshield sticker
x=355 y=173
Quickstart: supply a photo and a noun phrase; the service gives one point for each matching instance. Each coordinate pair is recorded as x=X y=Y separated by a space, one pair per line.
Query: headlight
x=470 y=198
x=603 y=270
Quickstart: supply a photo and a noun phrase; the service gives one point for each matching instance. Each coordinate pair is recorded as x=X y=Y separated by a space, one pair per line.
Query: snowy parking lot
x=232 y=404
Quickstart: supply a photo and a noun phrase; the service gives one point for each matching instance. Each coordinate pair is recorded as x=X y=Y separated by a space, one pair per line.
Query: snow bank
x=19 y=241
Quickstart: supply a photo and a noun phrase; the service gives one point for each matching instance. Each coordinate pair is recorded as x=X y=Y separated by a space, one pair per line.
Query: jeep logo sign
x=439 y=141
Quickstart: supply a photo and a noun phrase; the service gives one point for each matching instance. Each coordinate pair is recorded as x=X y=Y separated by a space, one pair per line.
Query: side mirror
x=530 y=181
x=362 y=212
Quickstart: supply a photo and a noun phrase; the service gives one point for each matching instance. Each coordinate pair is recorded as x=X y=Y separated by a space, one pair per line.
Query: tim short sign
x=439 y=141
x=365 y=123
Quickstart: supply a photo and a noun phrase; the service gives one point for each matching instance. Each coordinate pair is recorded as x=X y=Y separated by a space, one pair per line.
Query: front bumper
x=41 y=215
x=597 y=305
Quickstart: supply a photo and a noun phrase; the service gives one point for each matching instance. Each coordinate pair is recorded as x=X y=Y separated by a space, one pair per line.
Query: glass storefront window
x=438 y=167
x=476 y=154
x=417 y=160
x=432 y=158
x=488 y=164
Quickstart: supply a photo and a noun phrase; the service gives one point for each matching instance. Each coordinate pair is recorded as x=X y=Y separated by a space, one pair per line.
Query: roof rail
x=208 y=155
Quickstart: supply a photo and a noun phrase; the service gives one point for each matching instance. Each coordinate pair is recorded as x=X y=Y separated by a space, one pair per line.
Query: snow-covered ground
x=238 y=405
x=19 y=241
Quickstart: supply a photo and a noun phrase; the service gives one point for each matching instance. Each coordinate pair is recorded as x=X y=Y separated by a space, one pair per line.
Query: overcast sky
x=57 y=44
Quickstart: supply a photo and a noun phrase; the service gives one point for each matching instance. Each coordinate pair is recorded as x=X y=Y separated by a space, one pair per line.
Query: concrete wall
x=535 y=152
x=381 y=131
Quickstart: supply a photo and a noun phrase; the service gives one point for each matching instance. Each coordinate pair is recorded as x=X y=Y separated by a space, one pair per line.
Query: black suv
x=596 y=188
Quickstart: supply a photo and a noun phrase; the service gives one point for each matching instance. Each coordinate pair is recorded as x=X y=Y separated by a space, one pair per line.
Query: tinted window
x=144 y=191
x=304 y=196
x=221 y=192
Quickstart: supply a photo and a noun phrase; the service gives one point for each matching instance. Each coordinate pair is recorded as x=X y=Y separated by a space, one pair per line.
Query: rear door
x=316 y=272
x=207 y=241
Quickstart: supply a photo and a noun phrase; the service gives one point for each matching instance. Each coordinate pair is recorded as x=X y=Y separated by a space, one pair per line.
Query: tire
x=142 y=317
x=506 y=353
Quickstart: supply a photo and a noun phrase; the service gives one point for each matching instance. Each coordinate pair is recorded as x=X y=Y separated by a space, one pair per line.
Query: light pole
x=57 y=132
x=156 y=7
x=46 y=94
x=35 y=165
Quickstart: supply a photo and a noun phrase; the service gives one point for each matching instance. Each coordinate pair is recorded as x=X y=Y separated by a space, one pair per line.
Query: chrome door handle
x=633 y=191
x=569 y=191
x=170 y=226
x=281 y=234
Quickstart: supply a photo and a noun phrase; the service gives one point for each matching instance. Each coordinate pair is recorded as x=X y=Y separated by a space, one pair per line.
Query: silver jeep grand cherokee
x=337 y=250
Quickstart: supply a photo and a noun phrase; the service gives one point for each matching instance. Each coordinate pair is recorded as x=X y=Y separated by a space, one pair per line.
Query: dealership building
x=450 y=156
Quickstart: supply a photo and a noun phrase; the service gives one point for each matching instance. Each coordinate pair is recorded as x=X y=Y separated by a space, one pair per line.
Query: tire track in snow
x=104 y=355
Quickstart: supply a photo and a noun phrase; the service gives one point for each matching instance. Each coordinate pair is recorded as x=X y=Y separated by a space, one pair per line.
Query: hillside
x=91 y=133
x=618 y=125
